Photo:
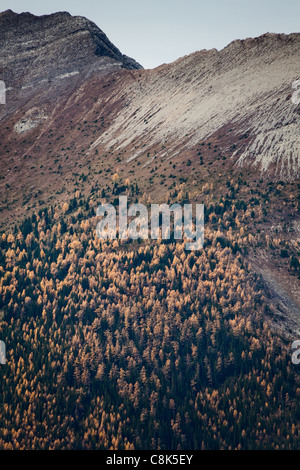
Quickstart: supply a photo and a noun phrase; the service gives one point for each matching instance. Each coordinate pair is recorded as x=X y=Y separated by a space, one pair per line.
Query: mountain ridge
x=239 y=97
x=51 y=45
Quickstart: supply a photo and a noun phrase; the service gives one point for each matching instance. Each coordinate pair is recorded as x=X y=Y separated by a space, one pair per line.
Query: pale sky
x=160 y=31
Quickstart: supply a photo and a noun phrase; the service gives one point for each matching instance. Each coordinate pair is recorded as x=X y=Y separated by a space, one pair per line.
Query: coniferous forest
x=141 y=344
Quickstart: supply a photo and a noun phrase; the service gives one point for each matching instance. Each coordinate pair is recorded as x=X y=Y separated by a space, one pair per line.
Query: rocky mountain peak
x=35 y=49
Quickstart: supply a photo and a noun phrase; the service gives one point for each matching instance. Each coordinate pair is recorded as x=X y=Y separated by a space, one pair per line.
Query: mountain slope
x=142 y=344
x=49 y=46
x=246 y=85
x=51 y=55
x=62 y=74
x=78 y=110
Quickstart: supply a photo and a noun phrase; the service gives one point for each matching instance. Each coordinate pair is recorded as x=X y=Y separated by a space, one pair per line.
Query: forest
x=118 y=344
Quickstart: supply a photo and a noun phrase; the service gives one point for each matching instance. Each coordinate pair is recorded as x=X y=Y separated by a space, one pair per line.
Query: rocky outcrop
x=35 y=50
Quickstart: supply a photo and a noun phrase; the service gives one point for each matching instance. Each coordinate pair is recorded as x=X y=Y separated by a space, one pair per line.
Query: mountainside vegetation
x=140 y=345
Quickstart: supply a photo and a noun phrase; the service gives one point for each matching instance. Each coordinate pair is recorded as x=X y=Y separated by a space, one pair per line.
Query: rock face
x=246 y=87
x=36 y=50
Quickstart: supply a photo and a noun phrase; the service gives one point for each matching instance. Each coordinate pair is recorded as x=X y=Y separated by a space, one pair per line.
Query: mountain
x=143 y=344
x=62 y=72
x=245 y=87
x=78 y=109
x=51 y=47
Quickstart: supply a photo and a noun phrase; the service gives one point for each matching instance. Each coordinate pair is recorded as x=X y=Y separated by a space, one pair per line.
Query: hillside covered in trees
x=142 y=345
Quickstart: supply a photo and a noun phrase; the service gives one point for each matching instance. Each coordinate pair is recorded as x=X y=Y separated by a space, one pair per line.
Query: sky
x=154 y=32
